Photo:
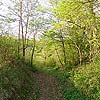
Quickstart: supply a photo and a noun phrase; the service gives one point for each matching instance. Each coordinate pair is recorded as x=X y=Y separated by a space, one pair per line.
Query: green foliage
x=87 y=79
x=79 y=25
x=8 y=49
x=37 y=95
x=73 y=39
x=67 y=86
x=17 y=81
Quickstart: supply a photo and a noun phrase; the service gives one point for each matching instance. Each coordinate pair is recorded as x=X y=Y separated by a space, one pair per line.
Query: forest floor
x=19 y=82
x=48 y=87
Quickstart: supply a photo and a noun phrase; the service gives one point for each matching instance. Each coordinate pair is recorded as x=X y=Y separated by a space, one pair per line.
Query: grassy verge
x=17 y=82
x=69 y=90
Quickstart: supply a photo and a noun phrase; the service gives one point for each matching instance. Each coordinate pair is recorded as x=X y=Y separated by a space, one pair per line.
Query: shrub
x=87 y=79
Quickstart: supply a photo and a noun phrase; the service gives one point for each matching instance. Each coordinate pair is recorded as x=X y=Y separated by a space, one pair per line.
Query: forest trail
x=48 y=86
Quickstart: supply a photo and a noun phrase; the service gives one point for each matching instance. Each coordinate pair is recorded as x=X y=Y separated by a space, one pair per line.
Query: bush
x=87 y=79
x=8 y=49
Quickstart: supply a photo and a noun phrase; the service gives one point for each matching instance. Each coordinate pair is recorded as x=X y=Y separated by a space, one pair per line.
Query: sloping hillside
x=16 y=82
x=20 y=82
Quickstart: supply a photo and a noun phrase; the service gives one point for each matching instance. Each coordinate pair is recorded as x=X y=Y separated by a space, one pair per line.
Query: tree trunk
x=80 y=54
x=19 y=41
x=63 y=48
x=94 y=34
x=33 y=50
x=22 y=30
x=59 y=57
x=27 y=22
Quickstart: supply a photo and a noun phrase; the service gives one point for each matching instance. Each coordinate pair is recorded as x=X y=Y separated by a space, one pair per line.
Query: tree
x=80 y=23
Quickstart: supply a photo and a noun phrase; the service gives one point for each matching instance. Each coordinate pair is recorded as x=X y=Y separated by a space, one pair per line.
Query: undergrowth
x=17 y=82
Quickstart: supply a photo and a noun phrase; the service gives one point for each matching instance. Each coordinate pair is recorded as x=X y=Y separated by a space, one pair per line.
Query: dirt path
x=48 y=86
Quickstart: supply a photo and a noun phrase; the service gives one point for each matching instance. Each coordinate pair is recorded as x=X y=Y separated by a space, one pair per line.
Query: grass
x=70 y=92
x=16 y=82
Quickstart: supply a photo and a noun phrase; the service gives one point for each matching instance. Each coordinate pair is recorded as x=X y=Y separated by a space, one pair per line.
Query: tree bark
x=63 y=48
x=33 y=50
x=19 y=41
x=22 y=30
x=59 y=57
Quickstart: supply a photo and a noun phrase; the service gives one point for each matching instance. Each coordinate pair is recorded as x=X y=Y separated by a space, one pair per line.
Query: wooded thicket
x=65 y=36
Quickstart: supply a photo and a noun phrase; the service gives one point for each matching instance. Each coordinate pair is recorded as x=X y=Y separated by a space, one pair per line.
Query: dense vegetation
x=61 y=40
